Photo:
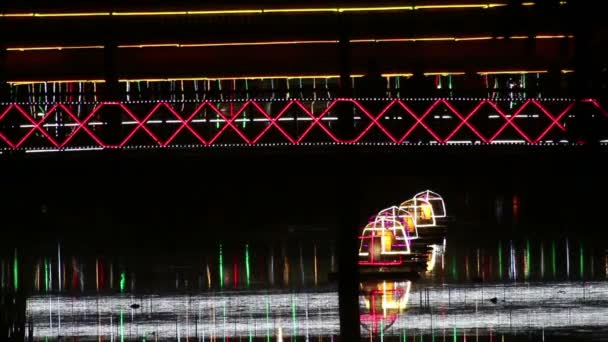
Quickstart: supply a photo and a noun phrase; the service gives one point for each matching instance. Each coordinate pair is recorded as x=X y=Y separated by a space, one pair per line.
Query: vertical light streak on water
x=247 y=269
x=466 y=266
x=478 y=263
x=527 y=261
x=123 y=281
x=59 y=283
x=16 y=272
x=499 y=260
x=454 y=272
x=221 y=268
x=404 y=335
x=285 y=270
x=553 y=259
x=567 y=258
x=455 y=336
x=382 y=330
x=512 y=264
x=46 y=276
x=235 y=272
x=542 y=261
x=208 y=276
x=582 y=262
x=271 y=267
x=50 y=274
x=293 y=317
x=267 y=319
x=96 y=274
x=315 y=266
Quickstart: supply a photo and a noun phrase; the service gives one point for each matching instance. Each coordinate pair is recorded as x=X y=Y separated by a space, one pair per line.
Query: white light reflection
x=501 y=308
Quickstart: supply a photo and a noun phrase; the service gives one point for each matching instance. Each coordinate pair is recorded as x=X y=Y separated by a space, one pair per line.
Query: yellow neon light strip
x=372 y=9
x=444 y=73
x=42 y=48
x=262 y=10
x=291 y=42
x=83 y=14
x=512 y=72
x=226 y=12
x=460 y=6
x=407 y=74
x=15 y=83
x=299 y=10
x=148 y=13
x=141 y=46
x=260 y=43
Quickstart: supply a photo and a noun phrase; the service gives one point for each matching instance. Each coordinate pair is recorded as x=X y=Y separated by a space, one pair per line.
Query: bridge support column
x=344 y=110
x=111 y=116
x=348 y=283
x=348 y=280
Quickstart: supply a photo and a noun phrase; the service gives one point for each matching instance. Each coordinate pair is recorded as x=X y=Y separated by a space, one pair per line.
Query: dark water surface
x=245 y=257
x=512 y=289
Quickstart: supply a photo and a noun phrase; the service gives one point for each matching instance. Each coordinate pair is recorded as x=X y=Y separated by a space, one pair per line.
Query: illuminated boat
x=404 y=238
x=429 y=211
x=421 y=210
x=404 y=217
x=383 y=242
x=436 y=202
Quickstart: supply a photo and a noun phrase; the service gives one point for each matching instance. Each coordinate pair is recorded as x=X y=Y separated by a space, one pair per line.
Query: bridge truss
x=265 y=122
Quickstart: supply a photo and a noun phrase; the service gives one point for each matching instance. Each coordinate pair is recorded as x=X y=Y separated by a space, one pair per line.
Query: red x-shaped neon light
x=185 y=122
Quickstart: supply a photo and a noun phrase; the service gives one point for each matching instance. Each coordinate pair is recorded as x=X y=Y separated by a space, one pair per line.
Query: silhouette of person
x=372 y=85
x=419 y=85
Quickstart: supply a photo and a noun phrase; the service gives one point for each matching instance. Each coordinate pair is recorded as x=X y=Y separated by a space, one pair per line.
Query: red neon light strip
x=273 y=121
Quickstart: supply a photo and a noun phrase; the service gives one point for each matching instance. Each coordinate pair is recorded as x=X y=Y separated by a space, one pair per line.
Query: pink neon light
x=465 y=121
x=185 y=122
x=509 y=121
x=419 y=121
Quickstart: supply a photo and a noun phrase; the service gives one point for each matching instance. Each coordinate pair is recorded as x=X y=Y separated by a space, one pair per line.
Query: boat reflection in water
x=381 y=303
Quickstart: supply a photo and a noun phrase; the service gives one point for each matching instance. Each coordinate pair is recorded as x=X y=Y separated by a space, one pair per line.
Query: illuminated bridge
x=144 y=74
x=265 y=122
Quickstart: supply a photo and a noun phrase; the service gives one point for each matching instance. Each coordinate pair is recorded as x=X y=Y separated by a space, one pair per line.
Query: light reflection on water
x=429 y=310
